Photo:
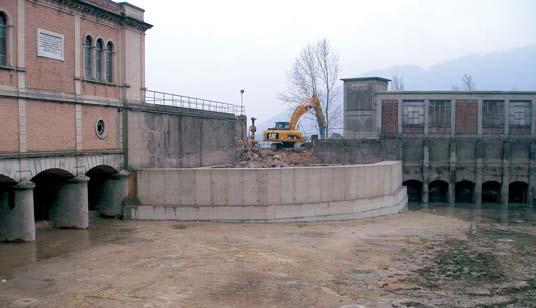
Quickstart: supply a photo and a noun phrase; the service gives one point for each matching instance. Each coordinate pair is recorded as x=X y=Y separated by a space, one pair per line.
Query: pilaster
x=505 y=189
x=477 y=198
x=426 y=116
x=453 y=118
x=479 y=118
x=425 y=171
x=506 y=117
x=399 y=116
x=452 y=172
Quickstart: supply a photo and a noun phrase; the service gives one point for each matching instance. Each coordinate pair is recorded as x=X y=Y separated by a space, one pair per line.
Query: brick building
x=67 y=69
x=467 y=146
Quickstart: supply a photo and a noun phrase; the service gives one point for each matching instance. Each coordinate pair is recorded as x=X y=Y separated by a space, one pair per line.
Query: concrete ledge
x=269 y=194
x=338 y=210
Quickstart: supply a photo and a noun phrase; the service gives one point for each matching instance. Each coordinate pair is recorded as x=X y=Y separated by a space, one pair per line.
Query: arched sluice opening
x=438 y=191
x=491 y=192
x=6 y=192
x=47 y=184
x=98 y=176
x=518 y=192
x=464 y=191
x=107 y=188
x=414 y=188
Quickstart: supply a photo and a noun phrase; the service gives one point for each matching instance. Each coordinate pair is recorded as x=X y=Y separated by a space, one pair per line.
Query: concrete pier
x=113 y=191
x=70 y=207
x=17 y=213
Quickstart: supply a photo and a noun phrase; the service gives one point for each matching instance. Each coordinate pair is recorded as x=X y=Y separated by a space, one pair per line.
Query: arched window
x=88 y=58
x=110 y=62
x=98 y=60
x=3 y=39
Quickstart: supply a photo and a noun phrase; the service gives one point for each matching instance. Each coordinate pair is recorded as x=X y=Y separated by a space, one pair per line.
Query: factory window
x=413 y=113
x=519 y=113
x=493 y=113
x=110 y=62
x=3 y=39
x=88 y=58
x=439 y=113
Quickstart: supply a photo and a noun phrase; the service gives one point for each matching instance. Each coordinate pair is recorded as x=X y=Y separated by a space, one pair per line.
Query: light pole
x=242 y=101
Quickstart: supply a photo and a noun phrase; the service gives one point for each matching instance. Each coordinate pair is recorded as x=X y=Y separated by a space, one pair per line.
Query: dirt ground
x=414 y=259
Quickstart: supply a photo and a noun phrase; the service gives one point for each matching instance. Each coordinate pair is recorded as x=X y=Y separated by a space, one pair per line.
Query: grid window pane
x=3 y=39
x=88 y=61
x=413 y=113
x=439 y=112
x=519 y=113
x=109 y=62
x=493 y=113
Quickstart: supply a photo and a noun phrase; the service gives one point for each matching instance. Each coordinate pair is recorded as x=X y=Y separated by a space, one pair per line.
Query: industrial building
x=456 y=146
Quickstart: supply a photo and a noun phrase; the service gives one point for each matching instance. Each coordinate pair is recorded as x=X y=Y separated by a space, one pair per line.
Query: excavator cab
x=282 y=125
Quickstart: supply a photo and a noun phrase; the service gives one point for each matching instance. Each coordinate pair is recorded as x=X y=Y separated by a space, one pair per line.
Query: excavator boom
x=292 y=136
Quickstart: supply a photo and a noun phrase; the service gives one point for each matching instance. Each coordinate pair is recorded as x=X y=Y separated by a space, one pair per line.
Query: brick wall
x=50 y=126
x=90 y=141
x=439 y=130
x=10 y=9
x=466 y=116
x=9 y=125
x=45 y=73
x=519 y=131
x=389 y=117
x=413 y=129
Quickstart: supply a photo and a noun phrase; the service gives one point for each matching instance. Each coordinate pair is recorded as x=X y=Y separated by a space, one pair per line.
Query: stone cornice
x=86 y=8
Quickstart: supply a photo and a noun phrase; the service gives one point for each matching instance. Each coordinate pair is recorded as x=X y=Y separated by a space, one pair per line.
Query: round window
x=100 y=128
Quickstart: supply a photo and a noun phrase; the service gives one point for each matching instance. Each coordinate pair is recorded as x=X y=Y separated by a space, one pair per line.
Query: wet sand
x=436 y=256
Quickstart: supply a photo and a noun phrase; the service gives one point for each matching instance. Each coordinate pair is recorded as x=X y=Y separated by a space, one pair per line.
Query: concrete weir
x=269 y=194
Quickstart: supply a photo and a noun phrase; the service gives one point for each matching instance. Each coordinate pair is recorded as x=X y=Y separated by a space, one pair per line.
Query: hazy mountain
x=513 y=69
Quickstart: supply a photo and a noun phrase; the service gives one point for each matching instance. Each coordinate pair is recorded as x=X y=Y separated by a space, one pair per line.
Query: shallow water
x=62 y=243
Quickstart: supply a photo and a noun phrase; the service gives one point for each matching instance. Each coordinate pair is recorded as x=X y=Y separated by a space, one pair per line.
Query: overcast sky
x=212 y=49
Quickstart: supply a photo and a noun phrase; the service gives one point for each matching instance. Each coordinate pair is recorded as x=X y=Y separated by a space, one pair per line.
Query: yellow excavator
x=287 y=135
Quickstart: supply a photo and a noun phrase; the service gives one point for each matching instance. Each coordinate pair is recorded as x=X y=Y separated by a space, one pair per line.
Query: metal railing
x=168 y=99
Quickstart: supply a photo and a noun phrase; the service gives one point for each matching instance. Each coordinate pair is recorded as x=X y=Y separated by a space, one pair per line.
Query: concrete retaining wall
x=271 y=194
x=172 y=137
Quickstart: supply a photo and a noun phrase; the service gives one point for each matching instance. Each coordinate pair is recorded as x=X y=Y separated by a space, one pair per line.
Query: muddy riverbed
x=437 y=256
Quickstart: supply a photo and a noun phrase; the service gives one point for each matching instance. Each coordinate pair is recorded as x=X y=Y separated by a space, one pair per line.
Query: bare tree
x=454 y=88
x=468 y=83
x=328 y=63
x=315 y=72
x=397 y=84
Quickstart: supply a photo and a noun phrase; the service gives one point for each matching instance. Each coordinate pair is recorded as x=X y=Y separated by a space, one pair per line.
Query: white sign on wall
x=49 y=45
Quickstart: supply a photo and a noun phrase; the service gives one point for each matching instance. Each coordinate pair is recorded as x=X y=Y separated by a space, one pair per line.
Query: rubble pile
x=265 y=158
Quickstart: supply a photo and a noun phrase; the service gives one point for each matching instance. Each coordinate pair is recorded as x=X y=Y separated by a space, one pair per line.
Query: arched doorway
x=518 y=192
x=414 y=188
x=464 y=191
x=438 y=191
x=491 y=192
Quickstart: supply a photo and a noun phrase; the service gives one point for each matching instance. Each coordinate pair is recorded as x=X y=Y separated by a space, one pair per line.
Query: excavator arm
x=314 y=103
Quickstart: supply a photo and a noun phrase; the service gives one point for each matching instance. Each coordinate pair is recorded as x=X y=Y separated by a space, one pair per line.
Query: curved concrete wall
x=270 y=194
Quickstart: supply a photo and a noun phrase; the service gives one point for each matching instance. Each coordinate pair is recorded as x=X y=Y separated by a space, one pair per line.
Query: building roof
x=449 y=92
x=366 y=79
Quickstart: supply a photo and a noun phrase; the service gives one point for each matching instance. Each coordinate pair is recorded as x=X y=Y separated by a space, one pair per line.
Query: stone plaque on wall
x=50 y=45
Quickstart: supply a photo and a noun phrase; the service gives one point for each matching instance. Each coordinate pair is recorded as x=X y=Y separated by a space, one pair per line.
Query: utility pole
x=242 y=101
